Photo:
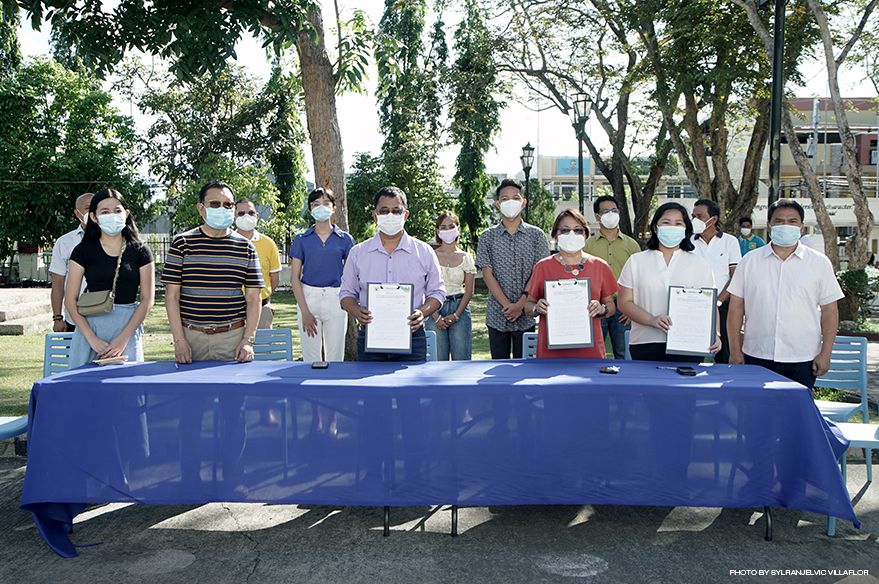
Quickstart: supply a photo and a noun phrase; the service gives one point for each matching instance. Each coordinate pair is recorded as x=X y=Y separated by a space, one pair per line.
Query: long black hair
x=93 y=230
x=686 y=242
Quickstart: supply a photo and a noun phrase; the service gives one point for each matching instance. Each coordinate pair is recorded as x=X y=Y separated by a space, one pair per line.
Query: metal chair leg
x=767 y=512
x=387 y=514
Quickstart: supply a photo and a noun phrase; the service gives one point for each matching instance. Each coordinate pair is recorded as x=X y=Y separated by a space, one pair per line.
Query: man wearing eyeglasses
x=614 y=247
x=392 y=256
x=246 y=218
x=212 y=281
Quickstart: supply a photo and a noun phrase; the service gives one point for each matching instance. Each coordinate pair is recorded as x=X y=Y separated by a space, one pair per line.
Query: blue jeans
x=617 y=331
x=455 y=341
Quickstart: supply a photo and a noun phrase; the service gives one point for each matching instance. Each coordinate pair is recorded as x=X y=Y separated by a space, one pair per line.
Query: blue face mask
x=321 y=213
x=219 y=218
x=784 y=235
x=113 y=223
x=670 y=235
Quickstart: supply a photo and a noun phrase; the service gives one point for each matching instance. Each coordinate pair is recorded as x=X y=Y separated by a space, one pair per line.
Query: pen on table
x=661 y=367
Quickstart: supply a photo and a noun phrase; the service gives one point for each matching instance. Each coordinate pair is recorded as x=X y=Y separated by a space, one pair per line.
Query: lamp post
x=777 y=97
x=527 y=159
x=579 y=116
x=172 y=210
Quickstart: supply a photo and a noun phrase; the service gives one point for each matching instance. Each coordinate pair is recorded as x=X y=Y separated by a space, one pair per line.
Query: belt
x=265 y=301
x=455 y=296
x=212 y=330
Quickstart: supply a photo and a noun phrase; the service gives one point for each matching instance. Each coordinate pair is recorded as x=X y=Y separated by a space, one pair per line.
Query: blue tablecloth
x=548 y=431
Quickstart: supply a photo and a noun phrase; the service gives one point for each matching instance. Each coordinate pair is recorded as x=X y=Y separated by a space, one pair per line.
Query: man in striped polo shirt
x=205 y=272
x=212 y=283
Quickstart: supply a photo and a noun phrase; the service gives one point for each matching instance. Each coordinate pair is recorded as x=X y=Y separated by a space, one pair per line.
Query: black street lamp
x=777 y=97
x=527 y=159
x=579 y=116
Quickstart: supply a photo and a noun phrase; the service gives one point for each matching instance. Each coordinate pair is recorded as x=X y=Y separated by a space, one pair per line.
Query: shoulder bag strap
x=118 y=263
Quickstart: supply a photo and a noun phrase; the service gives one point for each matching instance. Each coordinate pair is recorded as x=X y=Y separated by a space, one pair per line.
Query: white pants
x=332 y=323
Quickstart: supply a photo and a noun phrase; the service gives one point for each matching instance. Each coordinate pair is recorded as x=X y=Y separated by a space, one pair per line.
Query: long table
x=547 y=431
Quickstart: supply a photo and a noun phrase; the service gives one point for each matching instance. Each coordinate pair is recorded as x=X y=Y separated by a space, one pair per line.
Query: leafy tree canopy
x=59 y=137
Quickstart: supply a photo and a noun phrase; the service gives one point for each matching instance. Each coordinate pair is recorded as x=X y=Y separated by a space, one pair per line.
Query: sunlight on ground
x=232 y=517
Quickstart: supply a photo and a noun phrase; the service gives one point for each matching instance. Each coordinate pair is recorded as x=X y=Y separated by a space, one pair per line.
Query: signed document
x=693 y=313
x=568 y=324
x=390 y=305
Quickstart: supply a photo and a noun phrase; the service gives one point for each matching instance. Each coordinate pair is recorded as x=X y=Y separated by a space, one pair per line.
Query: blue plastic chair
x=12 y=427
x=57 y=353
x=848 y=370
x=628 y=354
x=430 y=337
x=859 y=436
x=529 y=345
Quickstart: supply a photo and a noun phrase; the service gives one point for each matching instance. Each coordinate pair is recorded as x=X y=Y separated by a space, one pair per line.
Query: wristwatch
x=251 y=340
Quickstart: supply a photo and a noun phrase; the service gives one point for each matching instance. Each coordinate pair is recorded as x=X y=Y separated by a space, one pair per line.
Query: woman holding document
x=647 y=277
x=570 y=290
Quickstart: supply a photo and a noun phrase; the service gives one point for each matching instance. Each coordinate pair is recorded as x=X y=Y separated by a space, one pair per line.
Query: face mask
x=449 y=235
x=112 y=224
x=610 y=220
x=784 y=235
x=390 y=224
x=745 y=232
x=84 y=221
x=246 y=222
x=321 y=213
x=571 y=242
x=511 y=208
x=219 y=218
x=670 y=235
x=698 y=226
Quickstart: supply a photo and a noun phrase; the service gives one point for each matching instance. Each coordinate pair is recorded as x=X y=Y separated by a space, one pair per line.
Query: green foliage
x=861 y=284
x=60 y=137
x=367 y=177
x=407 y=104
x=541 y=206
x=10 y=55
x=197 y=37
x=475 y=117
x=354 y=49
x=223 y=123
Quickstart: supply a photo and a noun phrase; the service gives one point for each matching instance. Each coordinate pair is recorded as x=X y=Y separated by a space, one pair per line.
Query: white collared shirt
x=721 y=252
x=62 y=249
x=61 y=257
x=782 y=300
x=649 y=278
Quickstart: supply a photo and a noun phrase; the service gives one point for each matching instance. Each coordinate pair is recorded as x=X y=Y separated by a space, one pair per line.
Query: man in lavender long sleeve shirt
x=392 y=256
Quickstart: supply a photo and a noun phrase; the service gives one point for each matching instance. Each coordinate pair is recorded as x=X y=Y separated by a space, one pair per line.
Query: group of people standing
x=219 y=282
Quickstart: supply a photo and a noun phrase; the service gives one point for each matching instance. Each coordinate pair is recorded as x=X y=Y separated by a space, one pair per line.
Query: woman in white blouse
x=646 y=277
x=451 y=322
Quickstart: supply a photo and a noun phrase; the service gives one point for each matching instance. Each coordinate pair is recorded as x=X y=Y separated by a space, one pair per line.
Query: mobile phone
x=324 y=365
x=686 y=371
x=612 y=369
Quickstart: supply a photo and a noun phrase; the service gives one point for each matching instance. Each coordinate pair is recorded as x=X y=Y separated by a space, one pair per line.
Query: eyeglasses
x=606 y=211
x=218 y=204
x=395 y=211
x=576 y=230
x=243 y=213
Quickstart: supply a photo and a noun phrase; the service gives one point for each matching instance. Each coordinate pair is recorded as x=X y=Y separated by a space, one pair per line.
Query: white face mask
x=571 y=242
x=698 y=226
x=610 y=220
x=390 y=224
x=745 y=232
x=246 y=222
x=511 y=208
x=449 y=235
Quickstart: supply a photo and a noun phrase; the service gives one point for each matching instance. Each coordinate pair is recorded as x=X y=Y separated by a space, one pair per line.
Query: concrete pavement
x=607 y=544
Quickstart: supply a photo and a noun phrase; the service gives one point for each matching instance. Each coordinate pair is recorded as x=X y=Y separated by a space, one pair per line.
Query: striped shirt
x=211 y=272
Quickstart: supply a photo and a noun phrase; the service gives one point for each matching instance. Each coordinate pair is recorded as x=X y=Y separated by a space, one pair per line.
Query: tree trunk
x=319 y=86
x=858 y=246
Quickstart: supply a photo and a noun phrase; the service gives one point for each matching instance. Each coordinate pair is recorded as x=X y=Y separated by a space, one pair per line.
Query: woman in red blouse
x=570 y=231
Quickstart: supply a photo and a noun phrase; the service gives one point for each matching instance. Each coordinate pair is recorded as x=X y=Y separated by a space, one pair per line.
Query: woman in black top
x=110 y=226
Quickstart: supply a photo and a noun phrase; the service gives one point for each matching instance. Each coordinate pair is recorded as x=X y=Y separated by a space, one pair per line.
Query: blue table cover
x=537 y=431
